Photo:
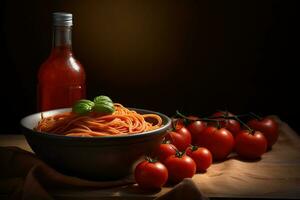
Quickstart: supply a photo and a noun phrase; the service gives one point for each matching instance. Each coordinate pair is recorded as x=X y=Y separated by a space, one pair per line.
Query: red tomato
x=179 y=167
x=201 y=156
x=165 y=150
x=196 y=128
x=268 y=127
x=181 y=138
x=219 y=142
x=150 y=174
x=185 y=132
x=230 y=124
x=250 y=145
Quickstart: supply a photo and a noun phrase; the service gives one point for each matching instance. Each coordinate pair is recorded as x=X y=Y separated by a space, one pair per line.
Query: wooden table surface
x=276 y=175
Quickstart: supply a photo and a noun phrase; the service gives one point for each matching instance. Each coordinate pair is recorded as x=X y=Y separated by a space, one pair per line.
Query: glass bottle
x=61 y=78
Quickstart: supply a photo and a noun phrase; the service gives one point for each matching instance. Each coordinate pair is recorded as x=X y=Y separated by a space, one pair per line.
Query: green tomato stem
x=150 y=160
x=179 y=154
x=194 y=147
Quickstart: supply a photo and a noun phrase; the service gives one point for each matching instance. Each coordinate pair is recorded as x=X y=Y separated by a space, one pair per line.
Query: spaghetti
x=121 y=122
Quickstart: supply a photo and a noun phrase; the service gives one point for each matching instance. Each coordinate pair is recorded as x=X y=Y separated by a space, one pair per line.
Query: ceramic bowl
x=96 y=158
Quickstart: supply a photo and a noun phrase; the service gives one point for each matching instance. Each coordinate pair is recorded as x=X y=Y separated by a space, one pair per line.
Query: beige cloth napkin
x=24 y=176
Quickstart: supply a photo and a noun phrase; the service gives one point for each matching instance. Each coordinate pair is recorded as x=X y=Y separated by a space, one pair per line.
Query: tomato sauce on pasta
x=121 y=122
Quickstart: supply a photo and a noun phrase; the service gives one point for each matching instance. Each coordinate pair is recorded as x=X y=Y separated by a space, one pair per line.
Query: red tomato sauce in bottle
x=61 y=78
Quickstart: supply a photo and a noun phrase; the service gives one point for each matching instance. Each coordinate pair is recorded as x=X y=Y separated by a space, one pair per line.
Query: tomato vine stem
x=224 y=117
x=244 y=124
x=229 y=117
x=198 y=119
x=255 y=116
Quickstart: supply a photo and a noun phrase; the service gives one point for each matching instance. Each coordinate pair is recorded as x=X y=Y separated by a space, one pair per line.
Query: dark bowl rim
x=164 y=128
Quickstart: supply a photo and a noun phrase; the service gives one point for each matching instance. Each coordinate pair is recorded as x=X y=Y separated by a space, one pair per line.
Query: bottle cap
x=62 y=19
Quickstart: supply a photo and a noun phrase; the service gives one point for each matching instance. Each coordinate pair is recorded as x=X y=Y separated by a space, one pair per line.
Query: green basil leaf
x=83 y=106
x=104 y=107
x=102 y=98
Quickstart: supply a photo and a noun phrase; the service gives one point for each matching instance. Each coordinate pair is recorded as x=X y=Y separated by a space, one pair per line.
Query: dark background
x=196 y=56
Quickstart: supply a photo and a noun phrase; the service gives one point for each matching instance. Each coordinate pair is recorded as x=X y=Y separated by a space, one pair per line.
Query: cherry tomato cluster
x=194 y=143
x=223 y=133
x=173 y=165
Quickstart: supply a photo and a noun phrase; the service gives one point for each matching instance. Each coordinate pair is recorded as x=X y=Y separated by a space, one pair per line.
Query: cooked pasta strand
x=122 y=122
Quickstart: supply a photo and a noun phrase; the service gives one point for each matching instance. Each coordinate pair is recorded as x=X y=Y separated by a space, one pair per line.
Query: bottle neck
x=62 y=39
